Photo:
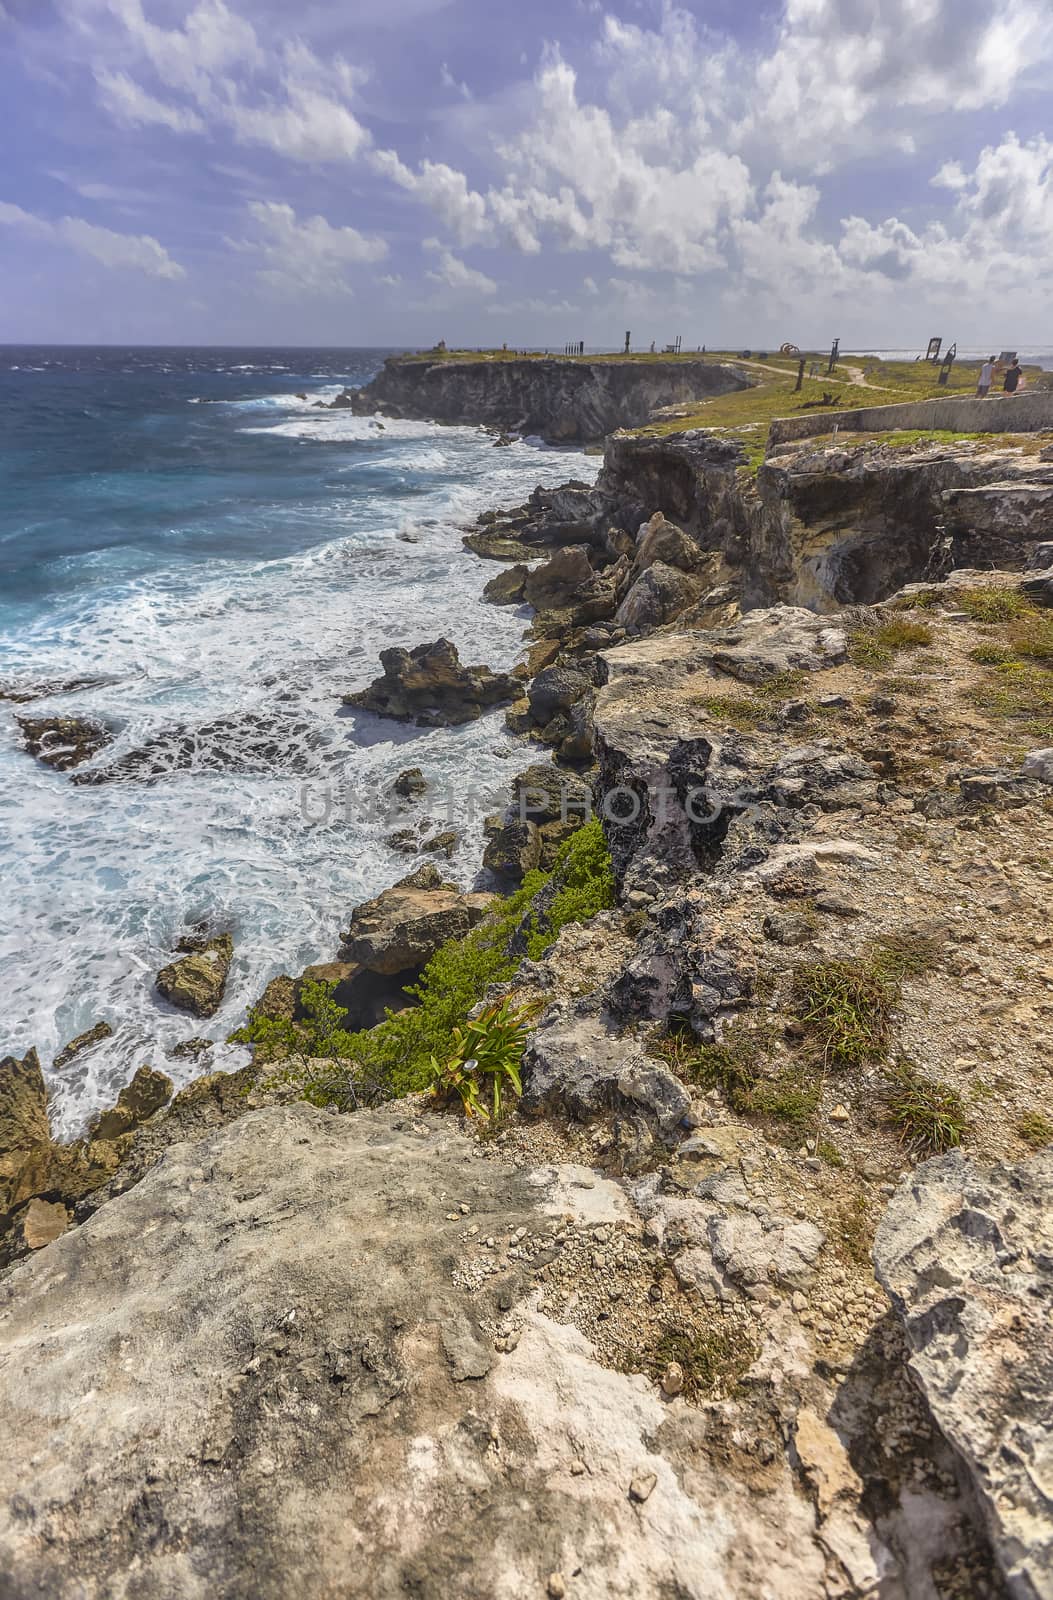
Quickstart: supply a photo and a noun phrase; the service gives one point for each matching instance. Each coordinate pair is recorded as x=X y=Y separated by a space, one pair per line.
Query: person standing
x=983 y=388
x=1013 y=375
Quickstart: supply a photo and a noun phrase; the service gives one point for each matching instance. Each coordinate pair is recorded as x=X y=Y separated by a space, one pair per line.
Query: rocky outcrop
x=964 y=1253
x=402 y=928
x=563 y=401
x=429 y=686
x=197 y=980
x=326 y=1357
x=63 y=742
x=410 y=784
x=249 y=742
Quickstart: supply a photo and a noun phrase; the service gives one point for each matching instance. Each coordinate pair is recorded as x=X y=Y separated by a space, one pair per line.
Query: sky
x=393 y=172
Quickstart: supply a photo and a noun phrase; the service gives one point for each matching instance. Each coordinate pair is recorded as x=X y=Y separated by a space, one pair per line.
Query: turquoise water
x=230 y=561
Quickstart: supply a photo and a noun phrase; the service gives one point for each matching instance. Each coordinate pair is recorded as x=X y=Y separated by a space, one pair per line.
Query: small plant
x=930 y=1115
x=991 y=655
x=845 y=1005
x=713 y=1358
x=827 y=1151
x=483 y=1067
x=876 y=646
x=994 y=603
x=1035 y=1130
x=906 y=955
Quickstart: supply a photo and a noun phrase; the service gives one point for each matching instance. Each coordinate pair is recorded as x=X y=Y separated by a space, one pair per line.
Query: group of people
x=1013 y=380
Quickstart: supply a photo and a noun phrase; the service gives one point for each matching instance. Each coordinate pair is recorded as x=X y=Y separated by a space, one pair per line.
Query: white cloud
x=130 y=104
x=137 y=252
x=287 y=100
x=307 y=253
x=456 y=274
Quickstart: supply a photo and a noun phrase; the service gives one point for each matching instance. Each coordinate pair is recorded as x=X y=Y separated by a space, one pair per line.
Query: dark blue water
x=222 y=557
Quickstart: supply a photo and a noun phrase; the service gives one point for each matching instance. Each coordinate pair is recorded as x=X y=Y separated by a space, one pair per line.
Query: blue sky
x=257 y=171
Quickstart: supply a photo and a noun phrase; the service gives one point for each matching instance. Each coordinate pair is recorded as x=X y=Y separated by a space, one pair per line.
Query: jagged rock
x=429 y=686
x=680 y=973
x=404 y=840
x=410 y=784
x=554 y=690
x=25 y=1138
x=661 y=540
x=659 y=595
x=42 y=1222
x=148 y=1091
x=401 y=929
x=63 y=742
x=514 y=849
x=575 y=1063
x=1039 y=764
x=544 y=794
x=1041 y=558
x=963 y=1251
x=83 y=1041
x=507 y=588
x=197 y=980
x=553 y=585
x=443 y=843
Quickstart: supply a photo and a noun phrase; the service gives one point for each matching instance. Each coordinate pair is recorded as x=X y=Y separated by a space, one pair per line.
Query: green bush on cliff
x=397 y=1053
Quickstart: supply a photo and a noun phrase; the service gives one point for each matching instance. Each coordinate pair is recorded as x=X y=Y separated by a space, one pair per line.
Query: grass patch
x=827 y=1151
x=737 y=1067
x=1035 y=1130
x=749 y=710
x=1020 y=695
x=930 y=1115
x=992 y=655
x=876 y=647
x=906 y=955
x=845 y=1006
x=713 y=1358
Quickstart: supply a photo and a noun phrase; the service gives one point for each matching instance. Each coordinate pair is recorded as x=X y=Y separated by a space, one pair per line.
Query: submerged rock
x=63 y=742
x=197 y=980
x=410 y=784
x=429 y=686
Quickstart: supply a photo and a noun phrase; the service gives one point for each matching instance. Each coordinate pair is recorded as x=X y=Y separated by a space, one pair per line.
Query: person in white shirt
x=983 y=388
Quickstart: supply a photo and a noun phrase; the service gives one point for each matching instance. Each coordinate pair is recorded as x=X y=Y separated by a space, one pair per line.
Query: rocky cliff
x=563 y=400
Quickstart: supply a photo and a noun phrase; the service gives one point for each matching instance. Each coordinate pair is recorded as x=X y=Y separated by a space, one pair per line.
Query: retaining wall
x=1030 y=412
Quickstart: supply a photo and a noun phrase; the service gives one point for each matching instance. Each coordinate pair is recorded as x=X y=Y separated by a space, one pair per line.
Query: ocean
x=227 y=561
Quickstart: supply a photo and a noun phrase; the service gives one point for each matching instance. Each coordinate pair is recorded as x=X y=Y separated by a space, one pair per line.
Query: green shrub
x=1035 y=1130
x=398 y=1052
x=483 y=1066
x=320 y=1052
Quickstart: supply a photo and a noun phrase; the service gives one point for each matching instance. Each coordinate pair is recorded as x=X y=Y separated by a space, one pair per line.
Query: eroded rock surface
x=429 y=686
x=964 y=1252
x=196 y=981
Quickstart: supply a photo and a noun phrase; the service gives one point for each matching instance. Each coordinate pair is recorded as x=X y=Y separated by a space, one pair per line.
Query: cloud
x=306 y=253
x=455 y=274
x=136 y=252
x=130 y=104
x=286 y=99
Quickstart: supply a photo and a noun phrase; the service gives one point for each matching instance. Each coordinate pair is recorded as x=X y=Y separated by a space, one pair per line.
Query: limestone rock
x=25 y=1138
x=575 y=1063
x=1039 y=764
x=146 y=1094
x=429 y=686
x=197 y=980
x=402 y=928
x=43 y=1222
x=83 y=1041
x=659 y=595
x=661 y=540
x=544 y=794
x=63 y=742
x=514 y=849
x=268 y=1388
x=964 y=1253
x=410 y=784
x=554 y=690
x=552 y=586
x=507 y=588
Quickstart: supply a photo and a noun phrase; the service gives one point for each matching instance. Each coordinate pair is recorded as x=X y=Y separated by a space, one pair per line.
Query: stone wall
x=1022 y=413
